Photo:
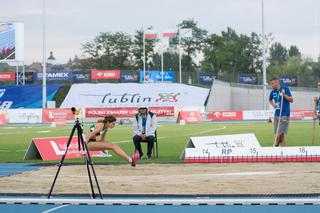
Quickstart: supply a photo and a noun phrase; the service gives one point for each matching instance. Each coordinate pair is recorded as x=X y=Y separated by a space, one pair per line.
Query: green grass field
x=14 y=140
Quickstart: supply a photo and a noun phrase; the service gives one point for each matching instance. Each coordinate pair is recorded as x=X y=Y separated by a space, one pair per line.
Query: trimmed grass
x=172 y=138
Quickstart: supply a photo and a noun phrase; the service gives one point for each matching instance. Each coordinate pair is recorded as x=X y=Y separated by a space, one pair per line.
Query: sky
x=72 y=22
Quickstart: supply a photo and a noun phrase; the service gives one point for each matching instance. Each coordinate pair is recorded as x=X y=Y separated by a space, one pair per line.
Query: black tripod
x=82 y=145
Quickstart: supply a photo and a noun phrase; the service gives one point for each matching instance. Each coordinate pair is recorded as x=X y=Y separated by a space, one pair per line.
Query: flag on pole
x=168 y=34
x=150 y=35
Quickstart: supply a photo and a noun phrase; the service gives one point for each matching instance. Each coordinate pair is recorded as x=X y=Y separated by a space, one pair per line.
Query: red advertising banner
x=3 y=119
x=54 y=148
x=225 y=115
x=127 y=112
x=190 y=117
x=105 y=74
x=56 y=115
x=7 y=76
x=301 y=114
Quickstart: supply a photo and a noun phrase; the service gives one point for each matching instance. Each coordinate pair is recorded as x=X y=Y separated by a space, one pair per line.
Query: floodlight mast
x=44 y=80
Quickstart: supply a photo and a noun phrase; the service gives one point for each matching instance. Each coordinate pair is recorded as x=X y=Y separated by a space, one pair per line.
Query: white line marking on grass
x=55 y=208
x=4 y=150
x=43 y=131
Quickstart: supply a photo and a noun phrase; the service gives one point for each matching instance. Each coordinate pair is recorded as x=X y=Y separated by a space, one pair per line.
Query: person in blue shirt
x=278 y=93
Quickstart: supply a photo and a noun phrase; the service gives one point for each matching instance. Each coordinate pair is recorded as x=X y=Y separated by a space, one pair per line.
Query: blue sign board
x=129 y=76
x=248 y=78
x=206 y=77
x=157 y=76
x=80 y=76
x=291 y=81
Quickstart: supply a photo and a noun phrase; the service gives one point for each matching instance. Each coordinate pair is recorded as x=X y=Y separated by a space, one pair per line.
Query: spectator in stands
x=144 y=128
x=100 y=128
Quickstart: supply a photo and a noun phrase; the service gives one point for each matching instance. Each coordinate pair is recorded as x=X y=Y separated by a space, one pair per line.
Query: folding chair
x=155 y=151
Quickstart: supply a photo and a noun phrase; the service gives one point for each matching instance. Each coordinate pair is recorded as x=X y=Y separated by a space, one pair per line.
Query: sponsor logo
x=168 y=97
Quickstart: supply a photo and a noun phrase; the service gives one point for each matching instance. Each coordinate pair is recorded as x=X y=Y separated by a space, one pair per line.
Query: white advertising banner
x=24 y=115
x=106 y=95
x=217 y=142
x=257 y=114
x=224 y=141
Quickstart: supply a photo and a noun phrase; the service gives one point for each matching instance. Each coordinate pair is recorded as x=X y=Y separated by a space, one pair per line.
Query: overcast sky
x=72 y=22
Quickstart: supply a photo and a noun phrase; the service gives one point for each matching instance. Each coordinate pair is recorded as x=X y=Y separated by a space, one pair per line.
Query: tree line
x=227 y=54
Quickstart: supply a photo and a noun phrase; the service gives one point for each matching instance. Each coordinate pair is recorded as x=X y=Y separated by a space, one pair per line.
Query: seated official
x=144 y=127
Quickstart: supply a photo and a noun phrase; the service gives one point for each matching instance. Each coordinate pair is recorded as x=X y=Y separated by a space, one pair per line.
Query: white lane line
x=55 y=208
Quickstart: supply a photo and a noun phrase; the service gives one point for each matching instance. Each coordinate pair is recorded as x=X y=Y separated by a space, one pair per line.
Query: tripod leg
x=89 y=162
x=61 y=161
x=80 y=144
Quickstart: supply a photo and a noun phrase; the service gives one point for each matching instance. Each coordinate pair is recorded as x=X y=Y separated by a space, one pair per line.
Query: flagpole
x=180 y=75
x=162 y=57
x=144 y=57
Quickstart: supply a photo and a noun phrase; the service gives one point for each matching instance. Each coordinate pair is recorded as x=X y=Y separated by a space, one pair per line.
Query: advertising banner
x=190 y=117
x=54 y=148
x=24 y=116
x=206 y=78
x=3 y=118
x=54 y=76
x=105 y=74
x=129 y=76
x=257 y=114
x=12 y=41
x=248 y=78
x=7 y=76
x=126 y=112
x=291 y=81
x=157 y=76
x=225 y=115
x=108 y=95
x=57 y=115
x=80 y=76
x=27 y=96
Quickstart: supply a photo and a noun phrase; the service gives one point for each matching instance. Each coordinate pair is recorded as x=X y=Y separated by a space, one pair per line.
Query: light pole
x=264 y=71
x=44 y=80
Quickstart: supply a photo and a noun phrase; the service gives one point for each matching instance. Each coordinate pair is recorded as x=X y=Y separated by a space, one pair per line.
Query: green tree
x=194 y=44
x=294 y=51
x=230 y=53
x=137 y=50
x=278 y=54
x=109 y=50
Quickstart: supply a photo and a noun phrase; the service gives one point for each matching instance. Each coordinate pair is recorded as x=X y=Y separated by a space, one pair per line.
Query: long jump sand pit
x=237 y=178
